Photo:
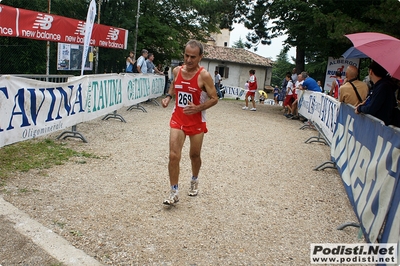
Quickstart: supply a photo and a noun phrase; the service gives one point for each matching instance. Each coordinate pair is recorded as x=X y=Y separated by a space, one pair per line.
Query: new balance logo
x=43 y=22
x=80 y=29
x=113 y=34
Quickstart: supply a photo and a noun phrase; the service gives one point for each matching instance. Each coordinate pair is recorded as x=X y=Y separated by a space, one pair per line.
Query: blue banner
x=367 y=155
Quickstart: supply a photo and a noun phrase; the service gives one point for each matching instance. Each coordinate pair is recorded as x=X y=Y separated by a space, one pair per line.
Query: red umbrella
x=382 y=48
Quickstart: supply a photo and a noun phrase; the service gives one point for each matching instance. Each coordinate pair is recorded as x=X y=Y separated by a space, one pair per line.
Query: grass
x=33 y=154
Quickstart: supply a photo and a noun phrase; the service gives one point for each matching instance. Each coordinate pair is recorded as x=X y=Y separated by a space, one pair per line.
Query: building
x=234 y=64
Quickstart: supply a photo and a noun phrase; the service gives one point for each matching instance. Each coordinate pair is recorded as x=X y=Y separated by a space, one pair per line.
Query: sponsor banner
x=88 y=32
x=232 y=92
x=69 y=57
x=306 y=104
x=335 y=64
x=17 y=22
x=391 y=232
x=31 y=108
x=8 y=21
x=367 y=155
x=325 y=114
x=321 y=109
x=141 y=87
x=353 y=253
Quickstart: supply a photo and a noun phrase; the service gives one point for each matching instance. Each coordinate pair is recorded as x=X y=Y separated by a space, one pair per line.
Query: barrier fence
x=364 y=150
x=366 y=154
x=31 y=108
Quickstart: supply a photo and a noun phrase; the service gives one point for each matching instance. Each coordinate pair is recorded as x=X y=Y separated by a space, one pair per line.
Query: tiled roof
x=236 y=55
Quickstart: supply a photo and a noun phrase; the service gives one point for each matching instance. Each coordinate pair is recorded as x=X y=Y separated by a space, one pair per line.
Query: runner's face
x=192 y=57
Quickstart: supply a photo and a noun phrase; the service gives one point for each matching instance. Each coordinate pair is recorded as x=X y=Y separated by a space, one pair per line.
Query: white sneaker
x=245 y=107
x=253 y=109
x=173 y=198
x=193 y=188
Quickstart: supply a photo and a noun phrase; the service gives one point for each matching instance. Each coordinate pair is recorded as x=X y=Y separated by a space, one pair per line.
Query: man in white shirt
x=217 y=83
x=141 y=62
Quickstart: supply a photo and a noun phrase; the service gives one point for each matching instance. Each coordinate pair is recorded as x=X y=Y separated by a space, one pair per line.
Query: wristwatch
x=168 y=95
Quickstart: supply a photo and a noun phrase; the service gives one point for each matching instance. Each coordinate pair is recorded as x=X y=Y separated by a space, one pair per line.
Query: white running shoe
x=194 y=188
x=173 y=198
x=245 y=107
x=253 y=109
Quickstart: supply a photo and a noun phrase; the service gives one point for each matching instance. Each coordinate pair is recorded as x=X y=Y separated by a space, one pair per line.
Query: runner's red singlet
x=188 y=91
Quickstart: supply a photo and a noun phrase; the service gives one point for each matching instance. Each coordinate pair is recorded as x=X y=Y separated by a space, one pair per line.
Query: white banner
x=321 y=109
x=88 y=32
x=337 y=64
x=232 y=92
x=31 y=108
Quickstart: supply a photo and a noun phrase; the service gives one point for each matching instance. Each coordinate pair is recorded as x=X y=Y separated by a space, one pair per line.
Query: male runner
x=194 y=91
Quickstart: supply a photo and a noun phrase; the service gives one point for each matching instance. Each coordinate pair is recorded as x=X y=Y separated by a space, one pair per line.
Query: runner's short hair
x=195 y=43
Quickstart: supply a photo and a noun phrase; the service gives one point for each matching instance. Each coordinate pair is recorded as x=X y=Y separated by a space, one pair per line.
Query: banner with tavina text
x=31 y=108
x=367 y=155
x=232 y=92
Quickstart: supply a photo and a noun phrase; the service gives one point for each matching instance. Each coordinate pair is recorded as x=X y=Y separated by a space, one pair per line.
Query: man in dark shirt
x=382 y=101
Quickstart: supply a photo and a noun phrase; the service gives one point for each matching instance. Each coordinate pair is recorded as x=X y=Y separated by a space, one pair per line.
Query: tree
x=239 y=43
x=317 y=27
x=280 y=67
x=164 y=28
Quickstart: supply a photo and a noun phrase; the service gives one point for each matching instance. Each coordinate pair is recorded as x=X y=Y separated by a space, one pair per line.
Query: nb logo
x=43 y=22
x=113 y=34
x=80 y=29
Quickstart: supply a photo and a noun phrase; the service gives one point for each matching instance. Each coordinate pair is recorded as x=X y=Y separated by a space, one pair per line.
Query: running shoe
x=253 y=109
x=193 y=188
x=173 y=198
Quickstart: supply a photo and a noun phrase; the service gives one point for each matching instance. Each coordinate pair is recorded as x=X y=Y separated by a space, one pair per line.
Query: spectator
x=151 y=68
x=262 y=98
x=382 y=100
x=166 y=74
x=141 y=62
x=294 y=109
x=130 y=60
x=309 y=83
x=282 y=95
x=289 y=97
x=336 y=83
x=294 y=75
x=252 y=91
x=217 y=83
x=276 y=94
x=320 y=86
x=353 y=91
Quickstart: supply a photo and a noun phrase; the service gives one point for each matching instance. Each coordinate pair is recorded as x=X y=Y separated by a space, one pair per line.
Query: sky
x=271 y=51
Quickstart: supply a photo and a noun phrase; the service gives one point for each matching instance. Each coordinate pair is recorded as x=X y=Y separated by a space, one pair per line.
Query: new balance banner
x=367 y=155
x=17 y=22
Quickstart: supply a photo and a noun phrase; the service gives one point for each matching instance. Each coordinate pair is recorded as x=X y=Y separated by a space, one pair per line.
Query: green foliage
x=239 y=44
x=317 y=27
x=280 y=67
x=164 y=27
x=26 y=155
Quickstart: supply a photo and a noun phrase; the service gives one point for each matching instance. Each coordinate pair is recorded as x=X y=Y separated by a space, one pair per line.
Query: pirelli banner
x=367 y=155
x=31 y=108
x=22 y=23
